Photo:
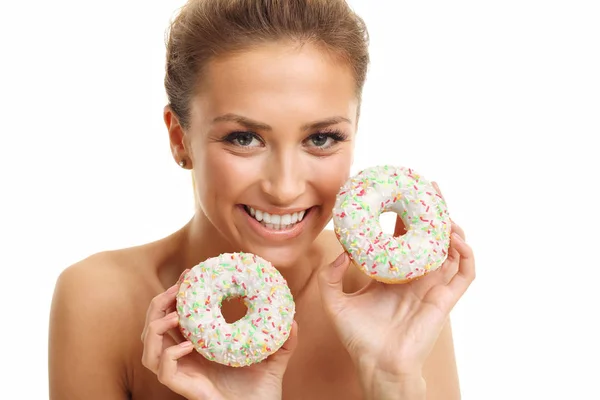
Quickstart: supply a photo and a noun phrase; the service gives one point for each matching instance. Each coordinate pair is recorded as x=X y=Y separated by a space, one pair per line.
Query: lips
x=276 y=221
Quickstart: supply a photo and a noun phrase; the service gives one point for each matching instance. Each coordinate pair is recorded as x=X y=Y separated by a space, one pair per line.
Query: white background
x=497 y=101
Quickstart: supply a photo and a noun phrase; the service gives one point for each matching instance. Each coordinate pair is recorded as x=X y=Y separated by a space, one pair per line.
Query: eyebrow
x=255 y=125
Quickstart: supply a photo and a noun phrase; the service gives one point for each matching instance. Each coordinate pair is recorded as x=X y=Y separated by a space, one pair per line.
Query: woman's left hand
x=389 y=329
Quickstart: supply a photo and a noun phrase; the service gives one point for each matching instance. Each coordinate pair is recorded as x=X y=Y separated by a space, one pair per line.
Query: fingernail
x=456 y=236
x=339 y=261
x=186 y=343
x=172 y=289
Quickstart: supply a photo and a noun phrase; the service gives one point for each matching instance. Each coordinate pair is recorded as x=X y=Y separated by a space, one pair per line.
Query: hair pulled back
x=205 y=29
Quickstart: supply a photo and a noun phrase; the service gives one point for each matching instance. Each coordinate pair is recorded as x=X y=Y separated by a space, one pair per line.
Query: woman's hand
x=389 y=330
x=179 y=367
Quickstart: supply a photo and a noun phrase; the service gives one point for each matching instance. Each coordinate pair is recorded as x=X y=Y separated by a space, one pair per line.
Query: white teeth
x=276 y=222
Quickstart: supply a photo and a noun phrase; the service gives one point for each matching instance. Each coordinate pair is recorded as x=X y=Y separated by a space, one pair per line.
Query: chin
x=283 y=247
x=281 y=257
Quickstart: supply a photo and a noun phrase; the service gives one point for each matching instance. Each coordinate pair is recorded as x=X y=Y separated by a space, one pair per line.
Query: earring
x=182 y=163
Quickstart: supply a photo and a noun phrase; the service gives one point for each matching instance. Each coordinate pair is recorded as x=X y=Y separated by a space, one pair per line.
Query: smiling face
x=271 y=140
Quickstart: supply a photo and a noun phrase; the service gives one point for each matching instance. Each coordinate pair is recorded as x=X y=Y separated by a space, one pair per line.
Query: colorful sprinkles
x=264 y=328
x=373 y=191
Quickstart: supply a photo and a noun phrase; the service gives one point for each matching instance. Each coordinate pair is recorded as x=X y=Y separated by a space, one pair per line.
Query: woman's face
x=271 y=140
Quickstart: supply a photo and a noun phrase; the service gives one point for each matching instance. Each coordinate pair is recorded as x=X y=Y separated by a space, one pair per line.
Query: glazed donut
x=264 y=328
x=373 y=191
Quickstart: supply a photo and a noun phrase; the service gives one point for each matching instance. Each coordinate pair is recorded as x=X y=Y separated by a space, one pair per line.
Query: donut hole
x=387 y=220
x=233 y=309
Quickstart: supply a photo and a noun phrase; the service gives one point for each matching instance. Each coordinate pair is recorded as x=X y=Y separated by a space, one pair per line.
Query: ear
x=176 y=137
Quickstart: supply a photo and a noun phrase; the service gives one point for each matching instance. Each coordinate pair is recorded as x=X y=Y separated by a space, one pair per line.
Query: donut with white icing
x=264 y=328
x=383 y=257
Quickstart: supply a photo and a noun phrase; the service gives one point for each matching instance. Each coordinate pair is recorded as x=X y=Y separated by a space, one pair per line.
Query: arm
x=393 y=332
x=440 y=368
x=378 y=385
x=399 y=335
x=84 y=351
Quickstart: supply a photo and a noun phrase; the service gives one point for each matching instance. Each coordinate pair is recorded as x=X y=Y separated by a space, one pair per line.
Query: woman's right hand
x=187 y=373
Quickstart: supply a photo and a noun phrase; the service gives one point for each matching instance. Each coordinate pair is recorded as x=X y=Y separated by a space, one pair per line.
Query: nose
x=284 y=180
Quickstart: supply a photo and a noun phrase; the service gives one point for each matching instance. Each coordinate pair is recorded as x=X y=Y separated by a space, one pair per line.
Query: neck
x=200 y=240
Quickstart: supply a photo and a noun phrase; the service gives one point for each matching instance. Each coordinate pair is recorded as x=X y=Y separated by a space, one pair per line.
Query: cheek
x=223 y=176
x=329 y=174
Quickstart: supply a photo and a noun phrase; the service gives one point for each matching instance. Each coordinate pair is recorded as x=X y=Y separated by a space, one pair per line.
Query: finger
x=161 y=303
x=458 y=230
x=154 y=340
x=450 y=266
x=281 y=357
x=176 y=335
x=182 y=276
x=466 y=269
x=292 y=341
x=178 y=382
x=180 y=280
x=400 y=228
x=330 y=282
x=442 y=276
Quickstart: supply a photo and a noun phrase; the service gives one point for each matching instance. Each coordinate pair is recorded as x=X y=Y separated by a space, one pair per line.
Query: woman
x=264 y=99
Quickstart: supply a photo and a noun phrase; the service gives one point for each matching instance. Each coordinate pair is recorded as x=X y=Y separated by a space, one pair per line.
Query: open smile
x=276 y=222
x=279 y=226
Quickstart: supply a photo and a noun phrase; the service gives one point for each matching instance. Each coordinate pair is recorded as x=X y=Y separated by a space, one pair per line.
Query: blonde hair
x=206 y=29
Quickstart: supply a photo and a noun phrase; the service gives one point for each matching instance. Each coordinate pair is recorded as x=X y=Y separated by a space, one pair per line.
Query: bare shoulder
x=93 y=272
x=112 y=270
x=88 y=314
x=94 y=284
x=96 y=292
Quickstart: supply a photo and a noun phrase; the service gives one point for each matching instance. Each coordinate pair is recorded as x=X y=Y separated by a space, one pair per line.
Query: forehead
x=302 y=82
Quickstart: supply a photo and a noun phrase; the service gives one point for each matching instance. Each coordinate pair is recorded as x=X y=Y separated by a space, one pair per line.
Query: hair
x=206 y=29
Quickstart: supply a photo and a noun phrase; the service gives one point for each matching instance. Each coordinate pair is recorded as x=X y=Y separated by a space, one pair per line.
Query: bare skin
x=99 y=313
x=100 y=307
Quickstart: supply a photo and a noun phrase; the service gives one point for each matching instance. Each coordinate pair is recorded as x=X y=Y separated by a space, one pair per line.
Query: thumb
x=330 y=282
x=182 y=276
x=281 y=357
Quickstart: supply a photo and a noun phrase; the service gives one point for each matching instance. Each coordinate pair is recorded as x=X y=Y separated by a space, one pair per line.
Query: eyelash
x=336 y=135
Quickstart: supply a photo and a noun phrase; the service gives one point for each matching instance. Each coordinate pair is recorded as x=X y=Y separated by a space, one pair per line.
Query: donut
x=381 y=256
x=264 y=328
